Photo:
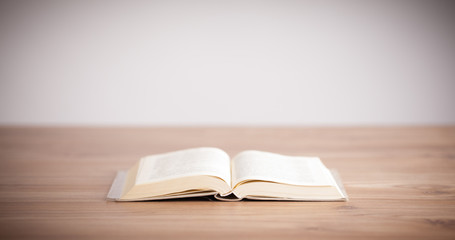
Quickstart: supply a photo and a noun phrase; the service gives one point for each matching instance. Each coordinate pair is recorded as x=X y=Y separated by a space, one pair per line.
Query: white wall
x=227 y=62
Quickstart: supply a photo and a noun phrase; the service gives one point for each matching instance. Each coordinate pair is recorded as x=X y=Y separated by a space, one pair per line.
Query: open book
x=209 y=171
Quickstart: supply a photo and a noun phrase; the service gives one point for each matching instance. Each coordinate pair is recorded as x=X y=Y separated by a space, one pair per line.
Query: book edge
x=339 y=182
x=115 y=192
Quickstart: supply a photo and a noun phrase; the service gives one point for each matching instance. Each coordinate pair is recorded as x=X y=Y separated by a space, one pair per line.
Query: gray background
x=227 y=62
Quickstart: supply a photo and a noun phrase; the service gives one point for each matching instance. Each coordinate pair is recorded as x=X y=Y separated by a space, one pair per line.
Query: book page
x=190 y=162
x=256 y=165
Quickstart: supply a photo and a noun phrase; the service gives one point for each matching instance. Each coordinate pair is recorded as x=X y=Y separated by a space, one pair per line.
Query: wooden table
x=401 y=183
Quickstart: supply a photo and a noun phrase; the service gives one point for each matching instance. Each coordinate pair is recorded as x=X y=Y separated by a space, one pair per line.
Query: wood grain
x=400 y=180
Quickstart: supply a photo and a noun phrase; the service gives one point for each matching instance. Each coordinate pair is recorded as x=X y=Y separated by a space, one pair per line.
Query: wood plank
x=401 y=183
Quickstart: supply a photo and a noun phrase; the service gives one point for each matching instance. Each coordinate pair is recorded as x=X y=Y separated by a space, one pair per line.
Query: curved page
x=190 y=162
x=256 y=165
